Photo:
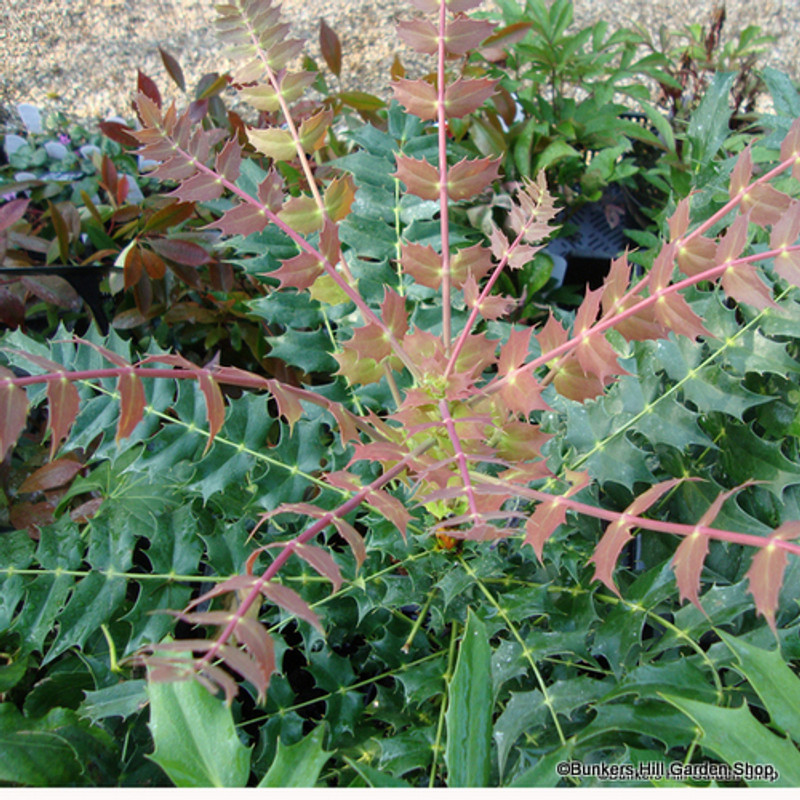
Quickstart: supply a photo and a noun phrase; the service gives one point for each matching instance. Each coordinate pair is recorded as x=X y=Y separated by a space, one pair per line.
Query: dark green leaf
x=298 y=765
x=734 y=735
x=469 y=710
x=195 y=739
x=772 y=678
x=120 y=700
x=376 y=779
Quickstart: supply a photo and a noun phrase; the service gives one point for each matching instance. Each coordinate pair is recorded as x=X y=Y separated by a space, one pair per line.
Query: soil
x=80 y=57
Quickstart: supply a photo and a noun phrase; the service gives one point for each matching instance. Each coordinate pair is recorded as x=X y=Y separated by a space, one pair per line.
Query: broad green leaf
x=56 y=750
x=553 y=153
x=609 y=457
x=735 y=735
x=63 y=686
x=120 y=700
x=298 y=765
x=545 y=773
x=764 y=461
x=407 y=751
x=773 y=680
x=681 y=677
x=709 y=388
x=648 y=718
x=525 y=710
x=98 y=596
x=376 y=779
x=783 y=91
x=309 y=350
x=709 y=124
x=12 y=672
x=195 y=739
x=469 y=710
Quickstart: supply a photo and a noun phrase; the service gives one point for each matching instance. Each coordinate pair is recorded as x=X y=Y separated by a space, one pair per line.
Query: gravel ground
x=80 y=57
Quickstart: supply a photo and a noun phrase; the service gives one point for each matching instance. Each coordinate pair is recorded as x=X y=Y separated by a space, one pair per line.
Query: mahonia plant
x=464 y=436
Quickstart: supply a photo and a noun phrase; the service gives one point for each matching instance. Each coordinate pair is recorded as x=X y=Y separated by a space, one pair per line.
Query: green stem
x=419 y=620
x=526 y=651
x=451 y=663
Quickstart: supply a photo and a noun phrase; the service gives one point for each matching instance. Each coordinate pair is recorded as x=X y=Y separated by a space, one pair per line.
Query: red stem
x=463 y=467
x=344 y=509
x=703 y=227
x=444 y=219
x=497 y=383
x=675 y=528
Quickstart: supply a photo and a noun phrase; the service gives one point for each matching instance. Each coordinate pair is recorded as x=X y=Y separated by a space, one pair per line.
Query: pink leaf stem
x=330 y=269
x=676 y=528
x=461 y=458
x=605 y=324
x=354 y=502
x=444 y=219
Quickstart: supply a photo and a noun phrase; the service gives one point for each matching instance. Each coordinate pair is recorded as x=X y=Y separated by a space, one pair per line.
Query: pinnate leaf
x=229 y=160
x=784 y=234
x=338 y=199
x=391 y=508
x=330 y=47
x=13 y=411
x=422 y=263
x=790 y=148
x=691 y=553
x=765 y=204
x=302 y=214
x=394 y=313
x=492 y=306
x=321 y=561
x=198 y=189
x=734 y=241
x=697 y=255
x=618 y=534
x=242 y=219
x=63 y=405
x=276 y=143
x=215 y=405
x=420 y=177
x=463 y=34
x=51 y=476
x=743 y=285
x=418 y=97
x=471 y=176
x=132 y=403
x=314 y=129
x=299 y=272
x=475 y=261
x=353 y=538
x=467 y=95
x=495 y=46
x=766 y=572
x=742 y=172
x=147 y=87
x=419 y=34
x=679 y=221
x=290 y=601
x=456 y=6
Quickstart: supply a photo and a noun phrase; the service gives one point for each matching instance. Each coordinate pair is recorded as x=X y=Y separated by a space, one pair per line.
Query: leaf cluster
x=338 y=553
